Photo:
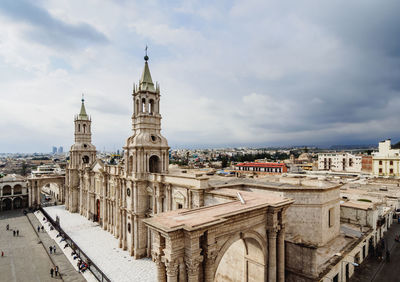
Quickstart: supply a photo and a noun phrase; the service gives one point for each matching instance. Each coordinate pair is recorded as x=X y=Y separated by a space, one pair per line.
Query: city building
x=339 y=162
x=13 y=192
x=54 y=150
x=260 y=168
x=47 y=169
x=386 y=162
x=202 y=227
x=366 y=164
x=60 y=150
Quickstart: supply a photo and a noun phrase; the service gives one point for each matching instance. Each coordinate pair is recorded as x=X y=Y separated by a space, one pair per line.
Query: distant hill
x=353 y=147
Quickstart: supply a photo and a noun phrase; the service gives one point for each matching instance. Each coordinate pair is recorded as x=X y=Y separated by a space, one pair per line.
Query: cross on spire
x=146 y=58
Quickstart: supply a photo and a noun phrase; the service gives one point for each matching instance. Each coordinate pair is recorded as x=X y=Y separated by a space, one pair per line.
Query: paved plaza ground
x=25 y=259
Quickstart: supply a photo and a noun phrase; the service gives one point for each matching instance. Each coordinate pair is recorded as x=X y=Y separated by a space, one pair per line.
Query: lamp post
x=352 y=263
x=341 y=263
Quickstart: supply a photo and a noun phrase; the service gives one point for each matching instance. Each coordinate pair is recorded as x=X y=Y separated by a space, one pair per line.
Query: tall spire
x=82 y=115
x=146 y=83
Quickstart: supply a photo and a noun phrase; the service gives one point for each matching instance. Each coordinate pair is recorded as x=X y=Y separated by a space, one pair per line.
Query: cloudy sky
x=232 y=73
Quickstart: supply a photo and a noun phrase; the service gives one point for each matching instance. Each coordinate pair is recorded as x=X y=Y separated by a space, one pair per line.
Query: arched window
x=84 y=128
x=85 y=159
x=143 y=105
x=130 y=168
x=79 y=128
x=6 y=190
x=17 y=189
x=151 y=106
x=154 y=164
x=137 y=107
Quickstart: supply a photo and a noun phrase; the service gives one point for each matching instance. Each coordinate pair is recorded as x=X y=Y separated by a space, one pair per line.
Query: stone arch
x=17 y=203
x=130 y=164
x=179 y=200
x=254 y=246
x=85 y=159
x=143 y=105
x=151 y=106
x=6 y=190
x=17 y=189
x=6 y=204
x=154 y=164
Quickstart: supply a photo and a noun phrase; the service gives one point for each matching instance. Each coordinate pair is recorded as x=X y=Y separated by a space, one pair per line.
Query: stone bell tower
x=82 y=154
x=146 y=151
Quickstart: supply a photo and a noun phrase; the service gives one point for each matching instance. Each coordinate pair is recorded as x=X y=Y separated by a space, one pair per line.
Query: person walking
x=56 y=269
x=8 y=227
x=14 y=233
x=51 y=271
x=54 y=249
x=2 y=254
x=51 y=249
x=42 y=228
x=17 y=232
x=38 y=228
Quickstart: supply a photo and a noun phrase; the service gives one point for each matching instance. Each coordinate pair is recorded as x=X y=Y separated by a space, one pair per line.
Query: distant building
x=54 y=151
x=386 y=161
x=261 y=168
x=366 y=164
x=60 y=150
x=339 y=162
x=13 y=192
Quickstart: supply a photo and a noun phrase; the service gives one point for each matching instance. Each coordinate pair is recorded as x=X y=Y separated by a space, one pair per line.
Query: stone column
x=124 y=233
x=30 y=194
x=161 y=277
x=272 y=255
x=281 y=255
x=169 y=207
x=172 y=271
x=193 y=269
x=182 y=271
x=211 y=255
x=120 y=228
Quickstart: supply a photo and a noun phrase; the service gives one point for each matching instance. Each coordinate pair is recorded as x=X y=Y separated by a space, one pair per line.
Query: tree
x=24 y=169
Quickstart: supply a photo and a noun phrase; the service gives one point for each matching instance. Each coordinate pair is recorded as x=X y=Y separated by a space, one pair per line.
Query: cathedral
x=193 y=229
x=119 y=197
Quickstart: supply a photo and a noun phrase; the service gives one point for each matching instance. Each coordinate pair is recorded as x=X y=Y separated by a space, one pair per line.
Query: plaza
x=25 y=259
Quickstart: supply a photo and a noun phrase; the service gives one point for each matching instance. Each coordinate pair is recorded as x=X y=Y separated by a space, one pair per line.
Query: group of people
x=52 y=249
x=82 y=266
x=54 y=271
x=15 y=231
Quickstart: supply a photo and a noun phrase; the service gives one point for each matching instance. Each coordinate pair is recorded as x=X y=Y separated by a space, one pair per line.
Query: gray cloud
x=48 y=30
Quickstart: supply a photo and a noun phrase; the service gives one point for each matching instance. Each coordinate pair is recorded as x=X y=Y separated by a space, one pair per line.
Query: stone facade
x=127 y=197
x=13 y=192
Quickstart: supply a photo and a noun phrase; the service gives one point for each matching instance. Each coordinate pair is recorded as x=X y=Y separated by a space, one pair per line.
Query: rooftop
x=210 y=215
